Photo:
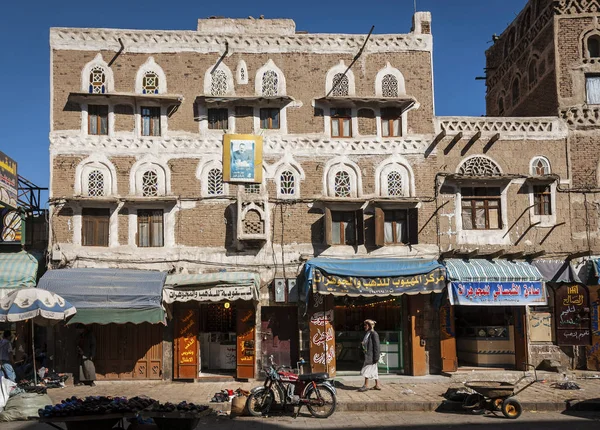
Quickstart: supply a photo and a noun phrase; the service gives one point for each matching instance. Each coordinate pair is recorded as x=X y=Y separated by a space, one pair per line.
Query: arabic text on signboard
x=9 y=181
x=572 y=315
x=498 y=293
x=213 y=294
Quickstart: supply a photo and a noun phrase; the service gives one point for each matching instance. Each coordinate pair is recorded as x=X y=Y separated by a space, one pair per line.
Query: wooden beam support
x=492 y=140
x=453 y=142
x=435 y=142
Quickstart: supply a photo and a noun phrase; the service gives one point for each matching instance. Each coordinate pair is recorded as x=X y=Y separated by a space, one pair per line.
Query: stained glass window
x=215 y=182
x=540 y=167
x=97 y=80
x=150 y=83
x=287 y=183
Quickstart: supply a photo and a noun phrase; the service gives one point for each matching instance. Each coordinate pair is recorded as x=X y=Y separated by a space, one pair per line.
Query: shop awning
x=562 y=270
x=105 y=296
x=371 y=277
x=212 y=287
x=17 y=270
x=495 y=283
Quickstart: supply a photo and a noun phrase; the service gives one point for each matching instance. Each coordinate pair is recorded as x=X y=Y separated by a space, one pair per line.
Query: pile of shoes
x=222 y=396
x=180 y=407
x=96 y=405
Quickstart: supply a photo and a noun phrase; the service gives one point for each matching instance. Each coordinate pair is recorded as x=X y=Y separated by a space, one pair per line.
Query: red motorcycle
x=285 y=388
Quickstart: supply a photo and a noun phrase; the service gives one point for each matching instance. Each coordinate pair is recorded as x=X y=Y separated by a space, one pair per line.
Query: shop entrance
x=350 y=314
x=218 y=338
x=279 y=330
x=485 y=336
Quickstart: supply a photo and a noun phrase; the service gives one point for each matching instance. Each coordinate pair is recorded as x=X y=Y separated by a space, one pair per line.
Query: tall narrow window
x=150 y=121
x=150 y=83
x=287 y=183
x=342 y=184
x=395 y=227
x=542 y=196
x=515 y=92
x=343 y=228
x=97 y=120
x=532 y=73
x=95 y=183
x=269 y=118
x=394 y=184
x=150 y=228
x=501 y=106
x=150 y=184
x=391 y=122
x=592 y=88
x=341 y=122
x=218 y=83
x=593 y=46
x=97 y=80
x=218 y=119
x=95 y=227
x=270 y=83
x=340 y=85
x=389 y=86
x=215 y=182
x=481 y=208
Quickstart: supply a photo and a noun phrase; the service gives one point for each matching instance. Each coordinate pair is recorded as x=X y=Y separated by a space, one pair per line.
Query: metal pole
x=33 y=350
x=415 y=6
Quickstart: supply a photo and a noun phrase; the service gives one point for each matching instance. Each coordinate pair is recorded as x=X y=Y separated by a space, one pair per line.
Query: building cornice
x=573 y=7
x=151 y=41
x=542 y=128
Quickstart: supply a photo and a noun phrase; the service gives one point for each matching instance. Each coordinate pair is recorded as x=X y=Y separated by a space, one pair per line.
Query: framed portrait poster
x=242 y=158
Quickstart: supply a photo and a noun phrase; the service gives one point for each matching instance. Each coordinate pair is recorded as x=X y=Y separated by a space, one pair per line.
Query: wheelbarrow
x=497 y=396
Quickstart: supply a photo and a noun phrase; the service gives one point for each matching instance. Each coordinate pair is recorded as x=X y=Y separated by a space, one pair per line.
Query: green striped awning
x=17 y=270
x=212 y=287
x=479 y=270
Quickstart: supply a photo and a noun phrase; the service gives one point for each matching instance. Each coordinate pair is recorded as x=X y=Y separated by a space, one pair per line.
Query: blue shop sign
x=498 y=293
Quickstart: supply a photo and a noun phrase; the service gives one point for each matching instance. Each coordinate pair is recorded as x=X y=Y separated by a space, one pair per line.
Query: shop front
x=342 y=293
x=214 y=323
x=124 y=309
x=489 y=299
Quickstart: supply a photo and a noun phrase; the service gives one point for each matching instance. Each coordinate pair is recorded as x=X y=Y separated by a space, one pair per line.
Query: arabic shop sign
x=324 y=283
x=572 y=314
x=9 y=181
x=498 y=293
x=214 y=294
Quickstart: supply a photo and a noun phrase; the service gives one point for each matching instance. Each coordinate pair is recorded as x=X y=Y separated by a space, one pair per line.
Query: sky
x=462 y=31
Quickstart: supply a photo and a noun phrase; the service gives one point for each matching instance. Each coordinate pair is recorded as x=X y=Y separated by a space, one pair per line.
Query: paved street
x=405 y=420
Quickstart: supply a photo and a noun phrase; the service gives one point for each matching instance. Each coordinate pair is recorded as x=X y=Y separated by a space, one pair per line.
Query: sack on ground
x=6 y=387
x=23 y=406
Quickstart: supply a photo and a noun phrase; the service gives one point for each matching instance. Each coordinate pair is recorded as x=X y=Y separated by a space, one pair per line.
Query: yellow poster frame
x=258 y=153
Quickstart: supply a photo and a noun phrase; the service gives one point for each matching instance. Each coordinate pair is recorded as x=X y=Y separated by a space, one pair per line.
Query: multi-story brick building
x=355 y=169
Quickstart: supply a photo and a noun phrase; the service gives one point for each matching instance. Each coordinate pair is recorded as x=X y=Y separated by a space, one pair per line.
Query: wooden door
x=521 y=355
x=448 y=338
x=246 y=328
x=593 y=351
x=185 y=354
x=418 y=362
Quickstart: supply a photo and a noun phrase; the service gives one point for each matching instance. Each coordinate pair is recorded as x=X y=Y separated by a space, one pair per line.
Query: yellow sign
x=242 y=158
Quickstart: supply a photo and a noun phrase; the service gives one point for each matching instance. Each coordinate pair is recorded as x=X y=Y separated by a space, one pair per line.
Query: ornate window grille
x=287 y=183
x=253 y=224
x=218 y=83
x=150 y=184
x=242 y=74
x=479 y=166
x=252 y=188
x=341 y=185
x=270 y=83
x=340 y=89
x=150 y=83
x=540 y=167
x=215 y=182
x=389 y=86
x=394 y=184
x=97 y=80
x=95 y=183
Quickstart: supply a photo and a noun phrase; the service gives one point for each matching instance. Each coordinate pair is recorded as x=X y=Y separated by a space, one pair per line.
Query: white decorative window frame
x=482 y=237
x=336 y=165
x=108 y=74
x=150 y=66
x=544 y=220
x=85 y=117
x=204 y=167
x=281 y=85
x=95 y=162
x=113 y=223
x=145 y=164
x=203 y=122
x=242 y=80
x=353 y=121
x=401 y=165
x=287 y=163
x=164 y=126
x=169 y=210
x=219 y=65
x=533 y=162
x=403 y=124
x=585 y=36
x=464 y=161
x=276 y=131
x=341 y=68
x=389 y=70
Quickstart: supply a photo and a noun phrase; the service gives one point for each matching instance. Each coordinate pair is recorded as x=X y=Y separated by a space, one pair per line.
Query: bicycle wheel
x=260 y=403
x=322 y=401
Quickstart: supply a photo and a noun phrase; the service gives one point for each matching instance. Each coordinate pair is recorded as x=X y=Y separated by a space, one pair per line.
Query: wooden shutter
x=328 y=224
x=413 y=226
x=246 y=351
x=359 y=222
x=95 y=227
x=379 y=227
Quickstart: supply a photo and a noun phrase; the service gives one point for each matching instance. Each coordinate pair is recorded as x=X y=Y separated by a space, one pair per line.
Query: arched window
x=150 y=184
x=515 y=91
x=479 y=166
x=214 y=180
x=218 y=83
x=501 y=105
x=242 y=73
x=340 y=85
x=150 y=83
x=394 y=184
x=389 y=86
x=270 y=83
x=95 y=184
x=593 y=46
x=342 y=184
x=532 y=73
x=97 y=80
x=540 y=166
x=287 y=183
x=393 y=178
x=253 y=222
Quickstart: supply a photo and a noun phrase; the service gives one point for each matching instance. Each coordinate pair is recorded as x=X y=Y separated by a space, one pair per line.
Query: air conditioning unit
x=279 y=287
x=292 y=290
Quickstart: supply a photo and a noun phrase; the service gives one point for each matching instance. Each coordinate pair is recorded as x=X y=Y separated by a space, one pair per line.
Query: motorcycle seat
x=314 y=376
